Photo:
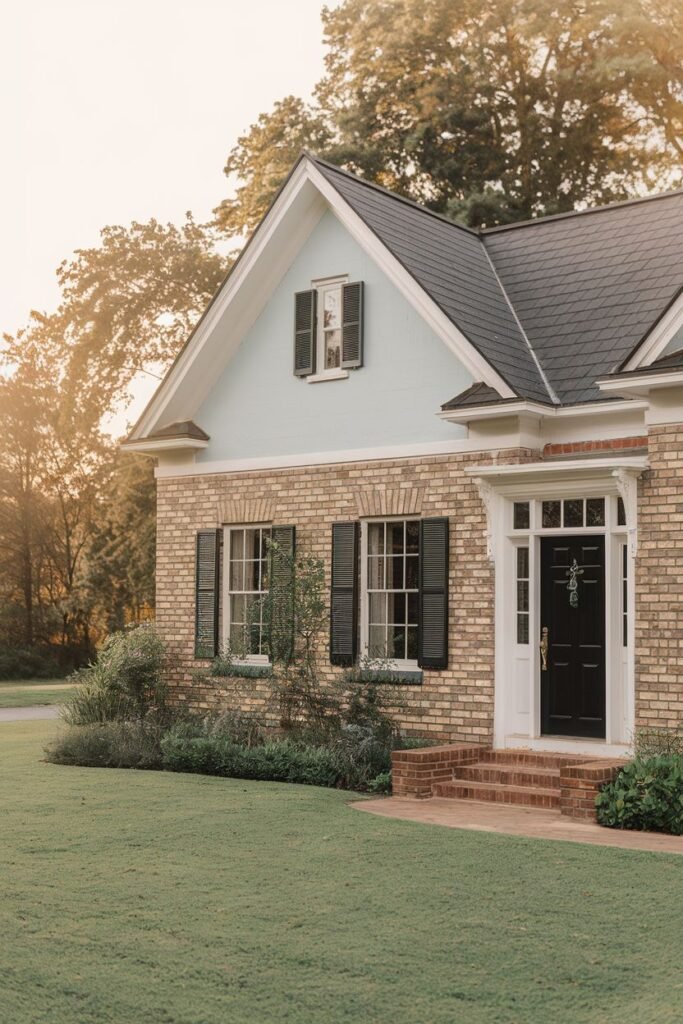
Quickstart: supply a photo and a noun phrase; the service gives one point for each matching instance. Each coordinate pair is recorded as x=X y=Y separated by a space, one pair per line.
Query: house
x=479 y=432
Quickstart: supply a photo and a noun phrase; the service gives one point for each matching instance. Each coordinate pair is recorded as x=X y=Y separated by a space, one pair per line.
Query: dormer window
x=328 y=329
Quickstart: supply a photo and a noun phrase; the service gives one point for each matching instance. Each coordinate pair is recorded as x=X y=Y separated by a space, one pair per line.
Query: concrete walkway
x=29 y=714
x=515 y=821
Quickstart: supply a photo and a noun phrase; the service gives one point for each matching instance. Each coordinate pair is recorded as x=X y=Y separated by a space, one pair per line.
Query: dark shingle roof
x=451 y=265
x=588 y=287
x=477 y=394
x=183 y=428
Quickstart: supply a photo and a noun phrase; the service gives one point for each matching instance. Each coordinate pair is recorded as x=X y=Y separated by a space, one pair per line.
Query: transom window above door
x=567 y=514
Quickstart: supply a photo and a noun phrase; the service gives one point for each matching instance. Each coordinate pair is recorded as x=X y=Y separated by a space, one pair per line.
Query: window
x=521 y=515
x=247 y=585
x=393 y=561
x=624 y=595
x=329 y=334
x=522 y=595
x=573 y=513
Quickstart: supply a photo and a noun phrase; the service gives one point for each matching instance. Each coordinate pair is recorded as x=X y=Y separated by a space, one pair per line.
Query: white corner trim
x=659 y=337
x=627 y=484
x=488 y=496
x=151 y=446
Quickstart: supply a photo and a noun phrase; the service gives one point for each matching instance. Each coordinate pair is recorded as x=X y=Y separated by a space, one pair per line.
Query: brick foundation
x=414 y=773
x=581 y=783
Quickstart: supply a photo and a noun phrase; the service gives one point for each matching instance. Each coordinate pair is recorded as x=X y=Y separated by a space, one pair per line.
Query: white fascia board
x=503 y=410
x=641 y=384
x=455 y=340
x=151 y=446
x=655 y=342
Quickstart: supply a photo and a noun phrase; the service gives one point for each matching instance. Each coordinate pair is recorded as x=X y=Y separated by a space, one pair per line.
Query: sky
x=121 y=110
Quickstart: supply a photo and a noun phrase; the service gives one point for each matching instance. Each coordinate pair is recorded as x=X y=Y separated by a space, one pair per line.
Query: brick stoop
x=467 y=771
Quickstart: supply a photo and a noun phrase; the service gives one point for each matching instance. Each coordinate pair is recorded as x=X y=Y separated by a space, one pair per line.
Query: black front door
x=573 y=611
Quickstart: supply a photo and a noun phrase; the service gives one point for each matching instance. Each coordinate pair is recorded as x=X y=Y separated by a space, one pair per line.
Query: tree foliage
x=486 y=112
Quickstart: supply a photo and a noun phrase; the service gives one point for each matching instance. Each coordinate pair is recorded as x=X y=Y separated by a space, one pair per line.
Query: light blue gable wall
x=259 y=408
x=675 y=344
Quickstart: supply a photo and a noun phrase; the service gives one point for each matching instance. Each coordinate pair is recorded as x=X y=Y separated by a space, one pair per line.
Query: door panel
x=573 y=609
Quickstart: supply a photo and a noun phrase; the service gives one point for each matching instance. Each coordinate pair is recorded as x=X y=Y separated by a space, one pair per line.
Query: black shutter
x=281 y=594
x=206 y=594
x=433 y=626
x=344 y=598
x=304 y=332
x=352 y=325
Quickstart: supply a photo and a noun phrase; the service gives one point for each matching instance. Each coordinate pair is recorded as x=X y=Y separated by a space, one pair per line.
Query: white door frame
x=517 y=713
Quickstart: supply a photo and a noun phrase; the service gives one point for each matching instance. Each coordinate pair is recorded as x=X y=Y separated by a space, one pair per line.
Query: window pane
x=332 y=307
x=523 y=563
x=395 y=538
x=395 y=572
x=412 y=609
x=332 y=349
x=237 y=576
x=378 y=609
x=522 y=595
x=396 y=608
x=252 y=543
x=595 y=511
x=377 y=647
x=376 y=539
x=376 y=573
x=413 y=537
x=251 y=575
x=520 y=516
x=236 y=545
x=397 y=642
x=551 y=514
x=573 y=512
x=411 y=643
x=523 y=629
x=412 y=567
x=265 y=536
x=621 y=512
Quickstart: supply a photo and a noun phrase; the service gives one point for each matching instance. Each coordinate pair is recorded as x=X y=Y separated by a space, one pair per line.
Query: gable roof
x=589 y=286
x=451 y=264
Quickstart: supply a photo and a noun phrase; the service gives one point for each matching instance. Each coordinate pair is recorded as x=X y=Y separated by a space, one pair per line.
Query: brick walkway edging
x=415 y=773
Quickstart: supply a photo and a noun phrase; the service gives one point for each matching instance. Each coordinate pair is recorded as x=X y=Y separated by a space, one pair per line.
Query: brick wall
x=453 y=704
x=659 y=583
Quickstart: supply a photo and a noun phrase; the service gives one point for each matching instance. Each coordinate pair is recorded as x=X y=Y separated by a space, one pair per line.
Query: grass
x=179 y=899
x=31 y=692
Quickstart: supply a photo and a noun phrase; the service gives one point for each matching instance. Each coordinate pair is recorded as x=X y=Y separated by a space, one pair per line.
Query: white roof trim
x=559 y=469
x=493 y=410
x=652 y=346
x=641 y=384
x=295 y=199
x=152 y=445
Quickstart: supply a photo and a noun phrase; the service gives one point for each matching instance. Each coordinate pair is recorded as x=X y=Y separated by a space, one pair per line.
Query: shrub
x=381 y=783
x=20 y=664
x=133 y=744
x=126 y=681
x=647 y=795
x=277 y=761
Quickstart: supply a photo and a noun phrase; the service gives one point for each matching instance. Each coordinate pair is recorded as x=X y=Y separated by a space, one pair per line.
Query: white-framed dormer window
x=329 y=329
x=390 y=552
x=245 y=585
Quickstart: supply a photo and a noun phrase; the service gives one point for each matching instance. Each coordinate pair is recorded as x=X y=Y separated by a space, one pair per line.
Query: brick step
x=492 y=792
x=532 y=757
x=509 y=774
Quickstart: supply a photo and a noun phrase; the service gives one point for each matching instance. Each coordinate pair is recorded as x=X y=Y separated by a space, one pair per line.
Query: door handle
x=544 y=649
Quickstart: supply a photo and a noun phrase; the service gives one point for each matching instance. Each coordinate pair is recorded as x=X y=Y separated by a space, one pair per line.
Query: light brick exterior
x=453 y=704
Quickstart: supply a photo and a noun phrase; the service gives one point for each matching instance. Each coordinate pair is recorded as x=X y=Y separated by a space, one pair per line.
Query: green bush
x=133 y=744
x=126 y=681
x=277 y=761
x=647 y=795
x=381 y=783
x=20 y=664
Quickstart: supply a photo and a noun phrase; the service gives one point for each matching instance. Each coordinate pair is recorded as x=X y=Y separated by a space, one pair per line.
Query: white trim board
x=270 y=251
x=652 y=347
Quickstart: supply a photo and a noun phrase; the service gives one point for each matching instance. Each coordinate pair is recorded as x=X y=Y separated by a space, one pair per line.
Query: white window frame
x=399 y=664
x=336 y=373
x=227 y=593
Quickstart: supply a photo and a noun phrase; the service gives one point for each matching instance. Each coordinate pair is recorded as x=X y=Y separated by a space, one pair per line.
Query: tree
x=486 y=112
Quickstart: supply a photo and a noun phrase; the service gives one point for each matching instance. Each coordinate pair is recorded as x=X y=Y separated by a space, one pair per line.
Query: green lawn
x=30 y=692
x=175 y=899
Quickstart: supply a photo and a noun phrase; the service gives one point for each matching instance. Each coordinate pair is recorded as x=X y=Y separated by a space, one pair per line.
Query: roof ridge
x=618 y=204
x=392 y=195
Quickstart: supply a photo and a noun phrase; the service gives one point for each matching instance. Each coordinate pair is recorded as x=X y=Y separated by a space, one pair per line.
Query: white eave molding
x=640 y=384
x=152 y=446
x=492 y=410
x=268 y=254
